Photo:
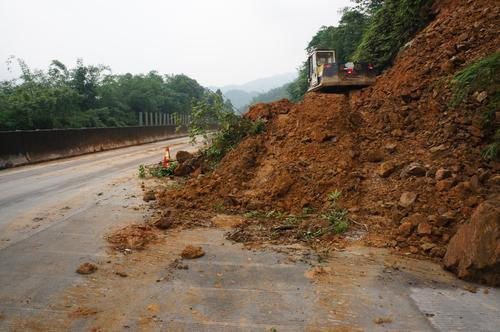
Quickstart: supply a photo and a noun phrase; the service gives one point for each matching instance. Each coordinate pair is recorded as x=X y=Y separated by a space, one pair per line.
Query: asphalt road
x=54 y=216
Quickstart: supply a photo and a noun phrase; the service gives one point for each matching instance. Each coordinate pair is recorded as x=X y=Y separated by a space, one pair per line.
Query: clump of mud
x=134 y=237
x=86 y=268
x=192 y=252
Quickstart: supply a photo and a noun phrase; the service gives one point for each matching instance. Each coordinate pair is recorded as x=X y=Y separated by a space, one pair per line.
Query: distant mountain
x=239 y=98
x=261 y=84
x=242 y=94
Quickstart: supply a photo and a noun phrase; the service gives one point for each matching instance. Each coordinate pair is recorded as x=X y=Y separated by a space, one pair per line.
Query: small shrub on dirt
x=336 y=216
x=222 y=129
x=159 y=171
x=142 y=171
x=482 y=77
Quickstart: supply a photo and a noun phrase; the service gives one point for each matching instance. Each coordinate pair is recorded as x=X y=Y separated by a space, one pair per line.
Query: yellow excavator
x=325 y=74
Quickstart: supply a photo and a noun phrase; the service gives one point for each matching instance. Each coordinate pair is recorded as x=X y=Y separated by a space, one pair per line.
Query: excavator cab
x=327 y=75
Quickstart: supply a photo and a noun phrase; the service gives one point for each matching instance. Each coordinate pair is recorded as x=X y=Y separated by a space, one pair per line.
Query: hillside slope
x=408 y=165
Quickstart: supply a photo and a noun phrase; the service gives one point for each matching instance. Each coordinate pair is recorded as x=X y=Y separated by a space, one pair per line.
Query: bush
x=231 y=128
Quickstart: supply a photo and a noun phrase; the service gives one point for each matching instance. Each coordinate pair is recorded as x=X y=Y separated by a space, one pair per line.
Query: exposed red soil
x=409 y=166
x=132 y=237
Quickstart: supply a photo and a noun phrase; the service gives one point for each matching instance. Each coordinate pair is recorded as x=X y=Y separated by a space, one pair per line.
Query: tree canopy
x=90 y=96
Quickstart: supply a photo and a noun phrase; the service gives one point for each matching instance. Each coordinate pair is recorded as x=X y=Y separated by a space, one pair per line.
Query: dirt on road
x=409 y=166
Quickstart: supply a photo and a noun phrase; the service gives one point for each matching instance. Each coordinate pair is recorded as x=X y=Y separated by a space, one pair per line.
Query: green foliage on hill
x=371 y=31
x=90 y=96
x=483 y=77
x=392 y=26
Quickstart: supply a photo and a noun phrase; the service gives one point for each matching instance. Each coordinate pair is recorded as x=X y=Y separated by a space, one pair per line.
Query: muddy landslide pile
x=408 y=165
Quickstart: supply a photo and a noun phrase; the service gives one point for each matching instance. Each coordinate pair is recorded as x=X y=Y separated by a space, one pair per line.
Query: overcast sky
x=216 y=42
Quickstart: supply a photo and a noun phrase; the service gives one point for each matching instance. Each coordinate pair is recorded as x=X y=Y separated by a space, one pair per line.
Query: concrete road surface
x=54 y=216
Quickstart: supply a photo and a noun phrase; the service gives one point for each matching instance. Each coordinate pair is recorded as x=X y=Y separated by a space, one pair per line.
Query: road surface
x=54 y=216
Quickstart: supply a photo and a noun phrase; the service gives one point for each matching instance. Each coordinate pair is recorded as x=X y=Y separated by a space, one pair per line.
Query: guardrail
x=31 y=146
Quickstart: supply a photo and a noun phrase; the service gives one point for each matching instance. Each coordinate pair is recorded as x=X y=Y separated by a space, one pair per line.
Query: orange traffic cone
x=166 y=157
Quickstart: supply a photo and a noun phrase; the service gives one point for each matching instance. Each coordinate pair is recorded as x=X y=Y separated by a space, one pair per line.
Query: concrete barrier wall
x=30 y=146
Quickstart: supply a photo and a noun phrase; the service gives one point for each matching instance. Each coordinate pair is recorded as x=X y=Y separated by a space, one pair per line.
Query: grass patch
x=336 y=216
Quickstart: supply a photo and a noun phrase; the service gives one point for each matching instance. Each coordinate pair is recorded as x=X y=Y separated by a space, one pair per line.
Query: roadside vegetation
x=156 y=170
x=480 y=83
x=90 y=96
x=371 y=31
x=222 y=129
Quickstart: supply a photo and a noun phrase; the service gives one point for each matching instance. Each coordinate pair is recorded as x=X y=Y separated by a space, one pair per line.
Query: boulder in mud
x=183 y=169
x=474 y=252
x=182 y=156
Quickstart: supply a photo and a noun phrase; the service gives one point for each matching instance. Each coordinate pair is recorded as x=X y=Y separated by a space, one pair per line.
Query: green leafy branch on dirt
x=482 y=81
x=221 y=128
x=157 y=170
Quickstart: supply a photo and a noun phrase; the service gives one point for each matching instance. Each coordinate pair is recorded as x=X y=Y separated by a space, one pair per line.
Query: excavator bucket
x=326 y=75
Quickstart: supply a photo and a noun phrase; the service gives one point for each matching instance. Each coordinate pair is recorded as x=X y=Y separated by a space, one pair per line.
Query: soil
x=408 y=165
x=192 y=252
x=134 y=237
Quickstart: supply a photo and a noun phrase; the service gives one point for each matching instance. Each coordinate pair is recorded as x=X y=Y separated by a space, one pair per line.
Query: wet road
x=34 y=197
x=54 y=216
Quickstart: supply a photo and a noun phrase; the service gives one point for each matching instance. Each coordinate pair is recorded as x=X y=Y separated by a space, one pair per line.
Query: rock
x=164 y=222
x=415 y=219
x=474 y=251
x=182 y=156
x=445 y=218
x=192 y=252
x=86 y=268
x=374 y=156
x=415 y=169
x=444 y=185
x=390 y=147
x=442 y=174
x=439 y=148
x=149 y=196
x=407 y=199
x=386 y=169
x=482 y=96
x=405 y=228
x=183 y=169
x=427 y=246
x=438 y=252
x=495 y=180
x=424 y=228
